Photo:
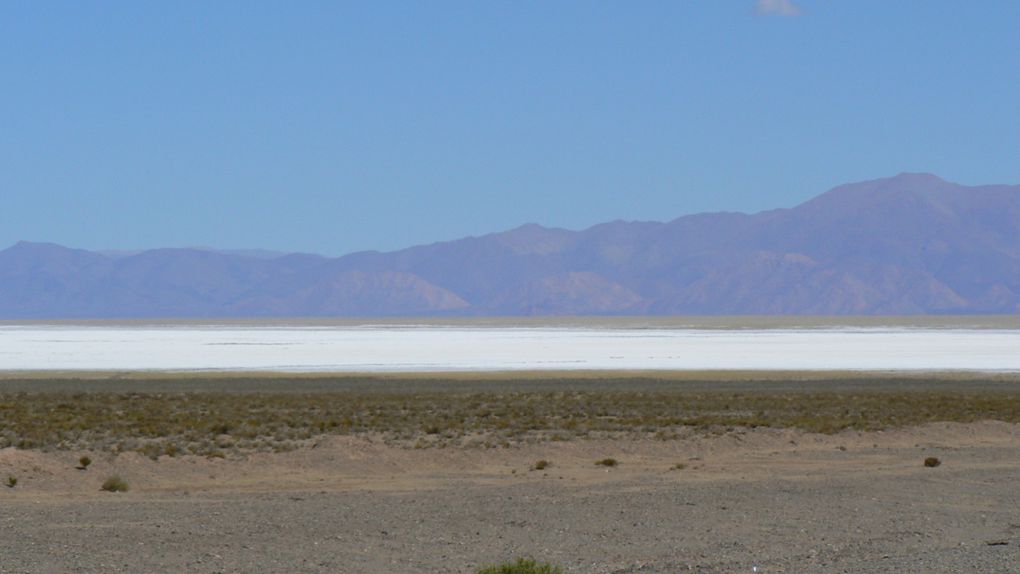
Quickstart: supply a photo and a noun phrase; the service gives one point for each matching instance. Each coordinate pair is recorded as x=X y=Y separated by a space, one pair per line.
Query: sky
x=333 y=127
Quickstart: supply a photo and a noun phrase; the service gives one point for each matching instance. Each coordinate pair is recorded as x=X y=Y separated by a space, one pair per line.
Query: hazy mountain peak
x=34 y=245
x=900 y=192
x=44 y=249
x=903 y=182
x=252 y=253
x=532 y=238
x=908 y=244
x=914 y=178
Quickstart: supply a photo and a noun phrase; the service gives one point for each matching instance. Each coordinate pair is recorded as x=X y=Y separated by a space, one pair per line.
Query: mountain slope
x=909 y=244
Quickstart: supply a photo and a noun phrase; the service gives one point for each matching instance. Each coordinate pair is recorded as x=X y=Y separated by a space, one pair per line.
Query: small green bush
x=607 y=462
x=12 y=481
x=541 y=465
x=522 y=566
x=932 y=462
x=115 y=484
x=84 y=462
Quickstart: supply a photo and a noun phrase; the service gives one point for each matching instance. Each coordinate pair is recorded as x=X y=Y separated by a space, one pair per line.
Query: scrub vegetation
x=115 y=484
x=522 y=566
x=221 y=421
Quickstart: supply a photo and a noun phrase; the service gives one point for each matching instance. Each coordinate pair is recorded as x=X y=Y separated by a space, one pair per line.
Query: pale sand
x=416 y=348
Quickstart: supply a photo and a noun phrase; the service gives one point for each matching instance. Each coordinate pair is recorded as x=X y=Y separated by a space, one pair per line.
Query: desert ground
x=741 y=479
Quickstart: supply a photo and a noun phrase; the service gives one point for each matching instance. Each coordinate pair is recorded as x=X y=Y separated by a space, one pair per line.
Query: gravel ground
x=766 y=500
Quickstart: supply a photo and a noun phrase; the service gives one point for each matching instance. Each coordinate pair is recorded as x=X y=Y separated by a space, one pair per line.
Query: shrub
x=115 y=484
x=678 y=466
x=12 y=481
x=541 y=465
x=522 y=566
x=607 y=462
x=84 y=462
x=932 y=462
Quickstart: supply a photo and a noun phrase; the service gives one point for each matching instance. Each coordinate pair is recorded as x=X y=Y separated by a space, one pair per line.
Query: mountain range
x=909 y=244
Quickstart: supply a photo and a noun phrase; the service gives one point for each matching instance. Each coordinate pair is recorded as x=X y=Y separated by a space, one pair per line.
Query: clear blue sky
x=340 y=126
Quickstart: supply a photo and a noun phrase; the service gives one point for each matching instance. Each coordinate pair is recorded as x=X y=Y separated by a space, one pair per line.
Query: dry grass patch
x=522 y=566
x=212 y=423
x=115 y=484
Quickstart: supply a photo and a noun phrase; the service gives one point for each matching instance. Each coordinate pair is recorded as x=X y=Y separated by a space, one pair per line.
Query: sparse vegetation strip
x=217 y=424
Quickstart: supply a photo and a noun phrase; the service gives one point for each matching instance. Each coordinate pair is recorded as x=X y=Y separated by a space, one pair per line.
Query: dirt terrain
x=762 y=500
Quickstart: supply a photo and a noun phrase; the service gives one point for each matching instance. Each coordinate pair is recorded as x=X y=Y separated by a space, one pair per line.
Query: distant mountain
x=256 y=253
x=909 y=244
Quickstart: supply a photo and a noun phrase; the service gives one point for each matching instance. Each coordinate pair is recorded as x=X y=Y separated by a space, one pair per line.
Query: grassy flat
x=224 y=415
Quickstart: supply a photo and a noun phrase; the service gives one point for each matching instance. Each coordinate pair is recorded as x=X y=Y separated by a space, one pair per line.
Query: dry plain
x=717 y=472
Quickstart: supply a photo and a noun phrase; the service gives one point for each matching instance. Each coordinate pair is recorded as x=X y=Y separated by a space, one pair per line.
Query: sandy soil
x=778 y=501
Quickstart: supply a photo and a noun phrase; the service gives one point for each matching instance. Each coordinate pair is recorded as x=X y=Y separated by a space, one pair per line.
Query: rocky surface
x=757 y=501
